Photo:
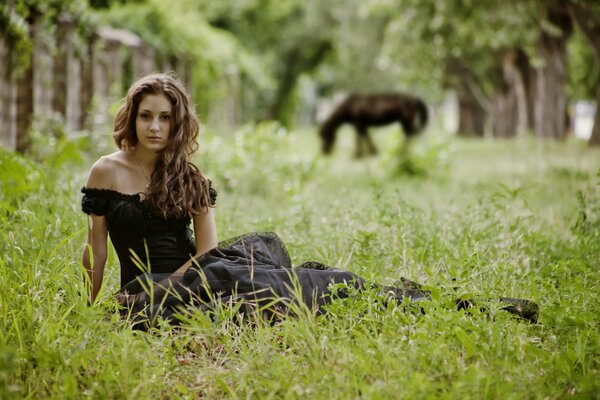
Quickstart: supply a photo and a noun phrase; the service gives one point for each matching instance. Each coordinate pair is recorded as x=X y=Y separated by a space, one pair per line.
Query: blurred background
x=500 y=196
x=500 y=69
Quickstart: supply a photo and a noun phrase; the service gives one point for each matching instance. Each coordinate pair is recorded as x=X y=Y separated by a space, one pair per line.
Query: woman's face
x=153 y=122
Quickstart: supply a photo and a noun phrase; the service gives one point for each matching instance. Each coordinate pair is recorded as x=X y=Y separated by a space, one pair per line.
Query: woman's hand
x=127 y=299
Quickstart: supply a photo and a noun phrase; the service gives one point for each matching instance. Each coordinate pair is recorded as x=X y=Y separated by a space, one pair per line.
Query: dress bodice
x=143 y=239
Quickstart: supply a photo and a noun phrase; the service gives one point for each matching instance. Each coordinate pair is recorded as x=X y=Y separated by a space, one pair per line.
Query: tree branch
x=588 y=22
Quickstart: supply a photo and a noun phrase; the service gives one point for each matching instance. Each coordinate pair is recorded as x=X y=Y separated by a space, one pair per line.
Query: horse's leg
x=403 y=145
x=371 y=146
x=406 y=162
x=359 y=152
x=362 y=140
x=405 y=148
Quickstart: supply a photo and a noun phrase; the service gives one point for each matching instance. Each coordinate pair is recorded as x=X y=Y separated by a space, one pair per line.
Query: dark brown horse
x=364 y=111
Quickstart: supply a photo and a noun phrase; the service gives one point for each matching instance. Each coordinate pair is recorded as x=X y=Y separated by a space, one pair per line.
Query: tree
x=335 y=43
x=587 y=17
x=23 y=23
x=507 y=60
x=290 y=37
x=550 y=100
x=475 y=48
x=184 y=39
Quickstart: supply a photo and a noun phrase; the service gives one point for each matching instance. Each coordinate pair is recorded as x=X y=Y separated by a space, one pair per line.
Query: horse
x=366 y=110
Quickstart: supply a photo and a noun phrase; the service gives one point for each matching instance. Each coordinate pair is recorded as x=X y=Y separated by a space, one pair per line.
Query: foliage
x=444 y=43
x=179 y=30
x=587 y=223
x=357 y=63
x=15 y=32
x=52 y=147
x=582 y=71
x=486 y=220
x=18 y=177
x=16 y=17
x=292 y=38
x=258 y=51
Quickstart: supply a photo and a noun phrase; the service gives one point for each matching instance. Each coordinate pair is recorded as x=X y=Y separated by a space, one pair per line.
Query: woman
x=147 y=193
x=155 y=130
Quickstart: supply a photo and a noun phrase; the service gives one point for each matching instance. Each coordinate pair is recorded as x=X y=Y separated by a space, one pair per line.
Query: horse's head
x=327 y=138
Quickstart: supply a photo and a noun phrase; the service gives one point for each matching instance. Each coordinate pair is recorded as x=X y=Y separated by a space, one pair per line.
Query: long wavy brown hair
x=177 y=188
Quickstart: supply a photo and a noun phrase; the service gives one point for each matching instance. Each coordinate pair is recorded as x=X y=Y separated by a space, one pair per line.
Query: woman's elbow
x=93 y=256
x=204 y=249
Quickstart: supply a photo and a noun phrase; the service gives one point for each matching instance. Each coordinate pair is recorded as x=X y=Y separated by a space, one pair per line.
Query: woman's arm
x=95 y=251
x=205 y=233
x=97 y=246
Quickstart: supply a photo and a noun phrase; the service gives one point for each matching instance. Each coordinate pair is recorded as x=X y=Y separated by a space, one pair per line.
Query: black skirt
x=254 y=273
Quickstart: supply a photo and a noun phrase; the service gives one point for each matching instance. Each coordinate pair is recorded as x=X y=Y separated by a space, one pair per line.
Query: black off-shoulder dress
x=252 y=271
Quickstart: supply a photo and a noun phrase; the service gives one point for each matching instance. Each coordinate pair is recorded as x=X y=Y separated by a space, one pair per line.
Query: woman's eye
x=144 y=116
x=166 y=117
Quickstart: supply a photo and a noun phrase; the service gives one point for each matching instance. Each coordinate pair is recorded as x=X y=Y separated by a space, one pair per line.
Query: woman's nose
x=155 y=126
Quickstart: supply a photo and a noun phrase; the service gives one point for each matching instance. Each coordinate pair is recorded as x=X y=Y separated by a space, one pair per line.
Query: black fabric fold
x=253 y=272
x=254 y=268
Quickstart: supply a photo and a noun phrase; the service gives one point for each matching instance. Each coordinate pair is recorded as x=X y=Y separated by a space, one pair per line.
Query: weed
x=488 y=219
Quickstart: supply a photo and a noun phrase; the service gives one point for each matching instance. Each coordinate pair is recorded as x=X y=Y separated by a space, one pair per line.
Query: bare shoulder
x=104 y=170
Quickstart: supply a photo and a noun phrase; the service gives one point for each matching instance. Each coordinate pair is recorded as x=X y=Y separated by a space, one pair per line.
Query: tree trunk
x=504 y=114
x=59 y=100
x=302 y=58
x=471 y=115
x=25 y=93
x=87 y=82
x=589 y=23
x=24 y=109
x=595 y=138
x=8 y=137
x=550 y=104
x=42 y=69
x=473 y=106
x=527 y=74
x=510 y=104
x=525 y=91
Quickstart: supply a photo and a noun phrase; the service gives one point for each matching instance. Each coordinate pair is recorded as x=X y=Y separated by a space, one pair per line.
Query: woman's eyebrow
x=160 y=112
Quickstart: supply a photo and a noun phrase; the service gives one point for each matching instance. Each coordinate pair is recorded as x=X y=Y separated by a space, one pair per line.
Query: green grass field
x=469 y=219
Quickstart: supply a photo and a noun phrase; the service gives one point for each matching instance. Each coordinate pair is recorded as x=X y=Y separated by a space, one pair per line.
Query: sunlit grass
x=481 y=219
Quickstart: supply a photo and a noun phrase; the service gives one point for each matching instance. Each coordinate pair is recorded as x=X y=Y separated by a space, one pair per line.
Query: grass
x=475 y=219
